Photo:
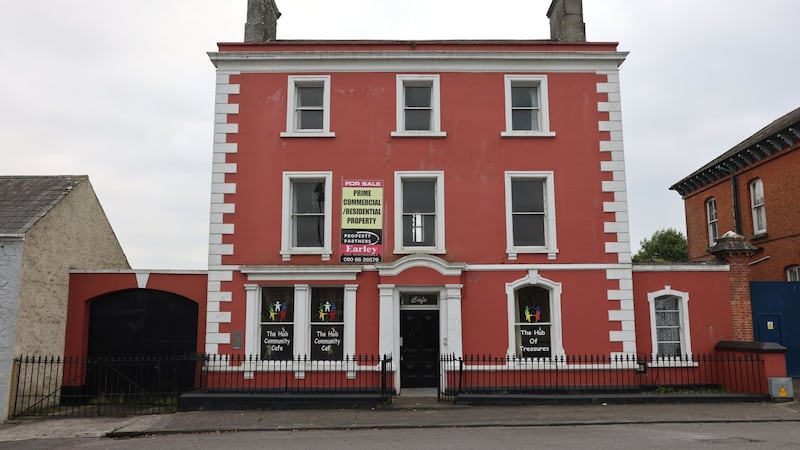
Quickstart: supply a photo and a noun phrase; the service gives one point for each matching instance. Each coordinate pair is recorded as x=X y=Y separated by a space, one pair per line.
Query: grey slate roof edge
x=731 y=161
x=35 y=214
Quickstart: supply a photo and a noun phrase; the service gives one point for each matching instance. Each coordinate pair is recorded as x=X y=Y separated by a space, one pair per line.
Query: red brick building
x=752 y=190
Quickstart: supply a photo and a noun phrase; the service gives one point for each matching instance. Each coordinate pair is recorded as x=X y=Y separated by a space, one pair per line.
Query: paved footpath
x=405 y=413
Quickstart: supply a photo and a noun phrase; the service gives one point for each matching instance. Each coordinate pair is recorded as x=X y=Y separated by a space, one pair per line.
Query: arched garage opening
x=142 y=322
x=142 y=346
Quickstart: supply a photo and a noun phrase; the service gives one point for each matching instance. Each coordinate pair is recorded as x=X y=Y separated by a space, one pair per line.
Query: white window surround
x=550 y=247
x=287 y=250
x=436 y=125
x=534 y=279
x=711 y=220
x=439 y=242
x=793 y=273
x=302 y=323
x=540 y=81
x=757 y=208
x=686 y=338
x=292 y=127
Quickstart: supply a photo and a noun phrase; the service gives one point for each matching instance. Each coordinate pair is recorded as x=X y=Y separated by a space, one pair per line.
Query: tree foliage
x=667 y=245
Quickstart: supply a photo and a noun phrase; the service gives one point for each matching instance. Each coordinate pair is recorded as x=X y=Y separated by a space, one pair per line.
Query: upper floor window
x=418 y=106
x=711 y=220
x=419 y=212
x=306 y=225
x=669 y=323
x=526 y=102
x=530 y=214
x=793 y=273
x=308 y=107
x=757 y=206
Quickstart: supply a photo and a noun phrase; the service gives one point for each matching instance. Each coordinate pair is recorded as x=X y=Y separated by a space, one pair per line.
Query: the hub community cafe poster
x=362 y=221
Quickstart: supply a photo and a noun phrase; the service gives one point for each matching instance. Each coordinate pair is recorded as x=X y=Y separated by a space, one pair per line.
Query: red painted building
x=417 y=200
x=752 y=190
x=430 y=198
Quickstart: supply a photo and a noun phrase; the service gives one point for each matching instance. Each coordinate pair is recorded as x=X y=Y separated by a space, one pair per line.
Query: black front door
x=419 y=351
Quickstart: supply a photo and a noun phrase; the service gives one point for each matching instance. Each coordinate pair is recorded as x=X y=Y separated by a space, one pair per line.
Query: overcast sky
x=123 y=91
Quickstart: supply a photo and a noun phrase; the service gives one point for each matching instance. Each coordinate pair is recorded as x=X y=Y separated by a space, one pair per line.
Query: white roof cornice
x=410 y=61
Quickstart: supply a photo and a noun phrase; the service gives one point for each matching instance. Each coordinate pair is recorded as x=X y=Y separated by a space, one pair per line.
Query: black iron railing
x=589 y=374
x=80 y=386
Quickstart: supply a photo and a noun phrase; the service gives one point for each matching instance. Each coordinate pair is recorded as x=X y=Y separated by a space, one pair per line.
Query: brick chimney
x=736 y=251
x=262 y=21
x=566 y=21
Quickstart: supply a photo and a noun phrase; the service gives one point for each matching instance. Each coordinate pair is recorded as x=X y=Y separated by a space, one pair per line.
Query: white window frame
x=439 y=242
x=534 y=279
x=712 y=221
x=301 y=323
x=292 y=128
x=757 y=206
x=436 y=124
x=793 y=273
x=287 y=250
x=550 y=247
x=540 y=81
x=686 y=338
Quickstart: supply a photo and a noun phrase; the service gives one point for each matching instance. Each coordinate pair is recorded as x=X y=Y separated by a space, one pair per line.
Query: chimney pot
x=566 y=21
x=262 y=21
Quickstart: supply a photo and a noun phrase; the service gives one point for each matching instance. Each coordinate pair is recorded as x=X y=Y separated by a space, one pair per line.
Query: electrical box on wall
x=781 y=389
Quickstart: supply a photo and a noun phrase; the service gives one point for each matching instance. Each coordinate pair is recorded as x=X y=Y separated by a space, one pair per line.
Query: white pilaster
x=452 y=310
x=252 y=339
x=350 y=319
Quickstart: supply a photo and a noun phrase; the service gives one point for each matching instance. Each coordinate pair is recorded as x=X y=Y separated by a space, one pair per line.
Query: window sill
x=420 y=250
x=325 y=254
x=512 y=253
x=528 y=134
x=307 y=134
x=759 y=236
x=422 y=134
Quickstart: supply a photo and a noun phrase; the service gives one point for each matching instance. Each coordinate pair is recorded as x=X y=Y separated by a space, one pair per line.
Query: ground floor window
x=277 y=323
x=669 y=323
x=533 y=326
x=534 y=317
x=327 y=323
x=303 y=321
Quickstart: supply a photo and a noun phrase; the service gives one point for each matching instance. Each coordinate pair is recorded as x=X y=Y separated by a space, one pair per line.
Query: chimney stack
x=262 y=21
x=566 y=21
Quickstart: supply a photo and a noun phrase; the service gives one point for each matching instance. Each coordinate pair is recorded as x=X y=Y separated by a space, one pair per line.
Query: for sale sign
x=362 y=222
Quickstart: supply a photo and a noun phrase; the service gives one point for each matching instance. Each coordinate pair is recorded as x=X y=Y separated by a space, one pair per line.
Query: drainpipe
x=737 y=213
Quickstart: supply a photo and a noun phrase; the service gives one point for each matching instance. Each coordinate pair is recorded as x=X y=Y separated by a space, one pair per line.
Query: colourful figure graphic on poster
x=528 y=314
x=332 y=314
x=537 y=313
x=271 y=312
x=322 y=313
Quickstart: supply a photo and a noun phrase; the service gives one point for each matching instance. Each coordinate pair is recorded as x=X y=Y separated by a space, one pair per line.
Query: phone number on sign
x=359 y=259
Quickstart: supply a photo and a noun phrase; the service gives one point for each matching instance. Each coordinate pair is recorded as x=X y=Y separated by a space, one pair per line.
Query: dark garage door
x=142 y=322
